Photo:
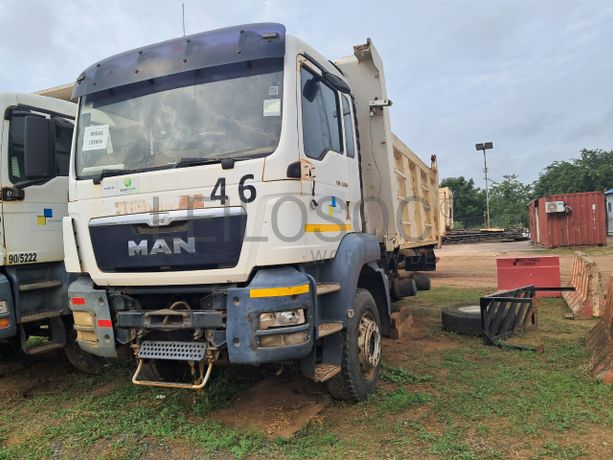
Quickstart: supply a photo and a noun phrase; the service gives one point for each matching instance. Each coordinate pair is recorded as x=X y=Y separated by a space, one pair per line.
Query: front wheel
x=361 y=360
x=83 y=361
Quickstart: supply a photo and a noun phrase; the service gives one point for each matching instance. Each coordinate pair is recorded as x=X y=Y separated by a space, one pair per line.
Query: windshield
x=231 y=111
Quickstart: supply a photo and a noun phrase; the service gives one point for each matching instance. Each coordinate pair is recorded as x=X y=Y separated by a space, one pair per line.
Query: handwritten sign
x=95 y=137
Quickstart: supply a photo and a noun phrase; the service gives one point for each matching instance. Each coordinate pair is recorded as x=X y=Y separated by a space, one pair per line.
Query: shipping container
x=609 y=199
x=572 y=219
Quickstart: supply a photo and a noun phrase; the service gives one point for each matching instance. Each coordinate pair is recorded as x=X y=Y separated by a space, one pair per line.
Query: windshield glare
x=225 y=112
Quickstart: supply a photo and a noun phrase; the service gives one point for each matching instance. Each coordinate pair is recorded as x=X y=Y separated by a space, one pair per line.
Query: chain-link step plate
x=177 y=351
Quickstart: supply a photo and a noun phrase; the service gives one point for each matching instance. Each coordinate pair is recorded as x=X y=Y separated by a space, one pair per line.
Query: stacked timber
x=491 y=235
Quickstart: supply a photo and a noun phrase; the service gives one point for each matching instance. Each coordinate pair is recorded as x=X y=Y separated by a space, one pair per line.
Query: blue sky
x=533 y=76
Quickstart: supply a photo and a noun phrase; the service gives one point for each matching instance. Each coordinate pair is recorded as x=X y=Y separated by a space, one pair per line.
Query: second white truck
x=35 y=139
x=234 y=195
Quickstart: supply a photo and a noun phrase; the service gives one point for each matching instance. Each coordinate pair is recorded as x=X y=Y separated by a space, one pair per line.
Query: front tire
x=83 y=361
x=361 y=360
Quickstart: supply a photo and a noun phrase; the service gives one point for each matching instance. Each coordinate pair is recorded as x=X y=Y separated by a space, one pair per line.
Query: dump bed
x=400 y=191
x=63 y=92
x=445 y=205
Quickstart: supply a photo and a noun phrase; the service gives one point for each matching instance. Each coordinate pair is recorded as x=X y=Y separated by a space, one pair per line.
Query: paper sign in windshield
x=95 y=137
x=272 y=107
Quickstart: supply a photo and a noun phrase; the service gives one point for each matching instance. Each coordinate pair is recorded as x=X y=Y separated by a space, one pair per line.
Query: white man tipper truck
x=36 y=137
x=235 y=196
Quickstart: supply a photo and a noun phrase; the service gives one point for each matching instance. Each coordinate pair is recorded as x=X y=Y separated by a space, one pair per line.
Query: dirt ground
x=474 y=265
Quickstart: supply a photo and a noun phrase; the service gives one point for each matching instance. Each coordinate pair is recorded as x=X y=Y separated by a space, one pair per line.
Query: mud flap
x=92 y=318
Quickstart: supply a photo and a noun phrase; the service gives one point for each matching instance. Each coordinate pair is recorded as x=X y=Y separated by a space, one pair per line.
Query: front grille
x=201 y=239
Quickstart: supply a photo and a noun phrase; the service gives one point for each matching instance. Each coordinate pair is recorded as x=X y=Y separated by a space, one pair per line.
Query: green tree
x=468 y=201
x=592 y=171
x=509 y=201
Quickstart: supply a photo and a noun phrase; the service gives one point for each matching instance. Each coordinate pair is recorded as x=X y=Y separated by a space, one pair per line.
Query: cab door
x=33 y=208
x=328 y=148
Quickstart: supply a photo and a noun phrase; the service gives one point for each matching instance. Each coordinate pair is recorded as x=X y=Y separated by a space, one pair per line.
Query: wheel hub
x=369 y=344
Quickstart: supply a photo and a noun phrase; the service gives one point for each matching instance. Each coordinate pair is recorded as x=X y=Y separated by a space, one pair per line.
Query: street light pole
x=486 y=146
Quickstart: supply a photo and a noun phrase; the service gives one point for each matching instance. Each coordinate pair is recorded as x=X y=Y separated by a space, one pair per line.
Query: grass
x=400 y=399
x=458 y=401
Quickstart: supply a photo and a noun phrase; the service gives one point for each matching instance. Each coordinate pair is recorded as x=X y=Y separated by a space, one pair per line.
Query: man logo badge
x=160 y=246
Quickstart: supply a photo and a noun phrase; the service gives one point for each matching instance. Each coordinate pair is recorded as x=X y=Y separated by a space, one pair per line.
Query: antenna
x=183 y=11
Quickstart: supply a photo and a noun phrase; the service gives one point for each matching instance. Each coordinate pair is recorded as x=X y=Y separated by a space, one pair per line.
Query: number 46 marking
x=246 y=192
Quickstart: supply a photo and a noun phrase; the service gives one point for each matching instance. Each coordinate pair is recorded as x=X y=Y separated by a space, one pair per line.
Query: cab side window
x=320 y=117
x=63 y=138
x=349 y=127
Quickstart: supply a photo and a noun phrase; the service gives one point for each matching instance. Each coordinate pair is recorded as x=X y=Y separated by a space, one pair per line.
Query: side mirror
x=338 y=83
x=39 y=148
x=310 y=90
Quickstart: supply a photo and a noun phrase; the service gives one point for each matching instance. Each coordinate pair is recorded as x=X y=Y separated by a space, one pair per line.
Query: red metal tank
x=571 y=219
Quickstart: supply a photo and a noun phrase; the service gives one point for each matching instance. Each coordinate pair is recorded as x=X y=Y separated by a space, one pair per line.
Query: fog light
x=281 y=318
x=3 y=307
x=4 y=323
x=281 y=340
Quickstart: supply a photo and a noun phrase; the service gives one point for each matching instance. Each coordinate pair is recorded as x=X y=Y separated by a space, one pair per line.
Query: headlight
x=4 y=309
x=282 y=318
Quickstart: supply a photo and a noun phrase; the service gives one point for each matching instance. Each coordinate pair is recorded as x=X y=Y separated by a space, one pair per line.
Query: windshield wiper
x=227 y=162
x=194 y=161
x=110 y=172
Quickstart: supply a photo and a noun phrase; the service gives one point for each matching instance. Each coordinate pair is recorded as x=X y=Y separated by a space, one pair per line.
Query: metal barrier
x=504 y=313
x=587 y=298
x=600 y=341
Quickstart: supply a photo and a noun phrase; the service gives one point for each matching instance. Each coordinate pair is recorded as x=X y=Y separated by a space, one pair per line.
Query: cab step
x=328 y=288
x=40 y=285
x=328 y=329
x=325 y=372
x=44 y=348
x=41 y=316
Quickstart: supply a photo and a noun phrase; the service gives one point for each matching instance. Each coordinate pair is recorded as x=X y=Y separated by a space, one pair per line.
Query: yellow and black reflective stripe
x=278 y=291
x=321 y=228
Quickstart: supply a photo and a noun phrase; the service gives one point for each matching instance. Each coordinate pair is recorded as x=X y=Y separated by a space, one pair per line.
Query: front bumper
x=234 y=323
x=271 y=290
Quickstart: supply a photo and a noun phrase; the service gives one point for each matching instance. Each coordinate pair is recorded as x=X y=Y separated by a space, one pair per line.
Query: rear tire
x=361 y=360
x=422 y=281
x=463 y=319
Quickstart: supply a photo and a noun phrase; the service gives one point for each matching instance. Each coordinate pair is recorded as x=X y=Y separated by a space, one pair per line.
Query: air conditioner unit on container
x=554 y=206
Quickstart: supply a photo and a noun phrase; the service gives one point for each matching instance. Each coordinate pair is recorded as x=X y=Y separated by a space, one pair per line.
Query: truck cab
x=36 y=136
x=219 y=210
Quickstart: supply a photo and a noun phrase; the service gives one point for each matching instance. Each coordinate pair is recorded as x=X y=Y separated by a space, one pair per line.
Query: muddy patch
x=106 y=389
x=29 y=376
x=420 y=338
x=277 y=408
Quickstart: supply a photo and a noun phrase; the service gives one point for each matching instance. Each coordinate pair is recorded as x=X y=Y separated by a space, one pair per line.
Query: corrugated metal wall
x=583 y=223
